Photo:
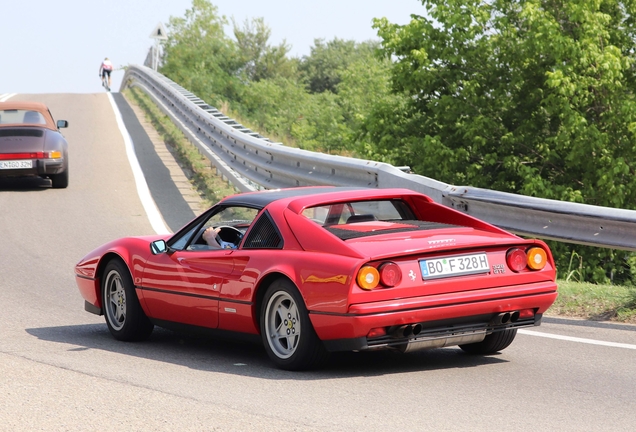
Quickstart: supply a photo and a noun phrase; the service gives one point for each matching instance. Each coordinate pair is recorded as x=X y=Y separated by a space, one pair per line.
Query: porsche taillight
x=534 y=258
x=31 y=155
x=387 y=274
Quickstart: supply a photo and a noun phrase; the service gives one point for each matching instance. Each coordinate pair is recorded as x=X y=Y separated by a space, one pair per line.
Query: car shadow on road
x=250 y=359
x=24 y=184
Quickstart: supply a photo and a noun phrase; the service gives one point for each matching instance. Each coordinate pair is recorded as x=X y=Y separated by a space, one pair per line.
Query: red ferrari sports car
x=314 y=270
x=31 y=143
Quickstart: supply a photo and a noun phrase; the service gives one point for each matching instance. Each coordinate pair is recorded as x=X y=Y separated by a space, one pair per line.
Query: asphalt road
x=60 y=370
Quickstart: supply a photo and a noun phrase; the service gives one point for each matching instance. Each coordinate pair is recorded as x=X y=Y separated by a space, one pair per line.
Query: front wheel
x=125 y=318
x=492 y=343
x=288 y=336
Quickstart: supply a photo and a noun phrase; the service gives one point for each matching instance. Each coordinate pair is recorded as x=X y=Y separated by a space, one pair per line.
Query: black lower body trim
x=88 y=307
x=207 y=332
x=354 y=344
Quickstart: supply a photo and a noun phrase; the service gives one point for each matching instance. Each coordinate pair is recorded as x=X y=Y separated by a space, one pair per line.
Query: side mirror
x=62 y=124
x=158 y=247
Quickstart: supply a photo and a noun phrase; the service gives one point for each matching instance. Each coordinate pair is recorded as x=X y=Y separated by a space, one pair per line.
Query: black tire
x=289 y=338
x=493 y=343
x=59 y=181
x=124 y=316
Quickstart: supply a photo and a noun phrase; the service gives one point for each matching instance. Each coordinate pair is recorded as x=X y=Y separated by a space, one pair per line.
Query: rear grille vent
x=263 y=235
x=21 y=132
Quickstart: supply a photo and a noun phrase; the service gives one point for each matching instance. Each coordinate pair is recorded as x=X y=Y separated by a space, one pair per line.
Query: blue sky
x=57 y=46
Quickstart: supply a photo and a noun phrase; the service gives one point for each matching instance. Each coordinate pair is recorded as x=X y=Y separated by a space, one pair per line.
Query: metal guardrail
x=252 y=162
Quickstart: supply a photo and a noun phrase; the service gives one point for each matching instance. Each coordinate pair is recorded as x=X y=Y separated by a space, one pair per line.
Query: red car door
x=184 y=286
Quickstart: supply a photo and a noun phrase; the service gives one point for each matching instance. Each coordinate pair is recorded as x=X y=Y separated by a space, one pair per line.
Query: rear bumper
x=42 y=167
x=438 y=316
x=51 y=166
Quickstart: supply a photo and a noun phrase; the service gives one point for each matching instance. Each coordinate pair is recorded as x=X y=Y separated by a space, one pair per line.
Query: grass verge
x=576 y=300
x=595 y=302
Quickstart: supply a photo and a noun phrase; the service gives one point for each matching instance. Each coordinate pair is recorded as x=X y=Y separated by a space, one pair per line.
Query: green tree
x=199 y=56
x=260 y=59
x=527 y=96
x=329 y=120
x=323 y=67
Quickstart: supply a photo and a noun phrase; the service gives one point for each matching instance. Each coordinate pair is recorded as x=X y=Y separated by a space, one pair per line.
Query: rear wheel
x=60 y=180
x=289 y=338
x=125 y=318
x=494 y=342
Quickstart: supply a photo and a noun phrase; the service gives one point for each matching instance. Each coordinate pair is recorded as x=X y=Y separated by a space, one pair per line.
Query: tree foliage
x=527 y=96
x=199 y=56
x=259 y=59
x=322 y=69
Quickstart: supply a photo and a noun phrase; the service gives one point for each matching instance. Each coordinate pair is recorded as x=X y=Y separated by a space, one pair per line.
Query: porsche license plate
x=454 y=266
x=16 y=164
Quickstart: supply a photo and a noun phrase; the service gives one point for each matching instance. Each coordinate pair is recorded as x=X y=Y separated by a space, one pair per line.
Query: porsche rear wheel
x=288 y=336
x=125 y=318
x=494 y=342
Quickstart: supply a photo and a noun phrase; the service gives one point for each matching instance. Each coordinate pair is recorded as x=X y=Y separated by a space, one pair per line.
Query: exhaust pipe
x=502 y=318
x=505 y=318
x=404 y=331
x=416 y=329
x=408 y=330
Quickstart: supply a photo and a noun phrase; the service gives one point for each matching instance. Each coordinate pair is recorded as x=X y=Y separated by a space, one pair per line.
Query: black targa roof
x=262 y=199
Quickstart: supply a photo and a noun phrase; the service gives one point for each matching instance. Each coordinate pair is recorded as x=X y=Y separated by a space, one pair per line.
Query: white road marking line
x=576 y=339
x=154 y=216
x=6 y=96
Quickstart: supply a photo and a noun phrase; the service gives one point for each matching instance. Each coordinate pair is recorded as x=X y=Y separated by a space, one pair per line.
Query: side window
x=264 y=235
x=231 y=224
x=238 y=217
x=181 y=243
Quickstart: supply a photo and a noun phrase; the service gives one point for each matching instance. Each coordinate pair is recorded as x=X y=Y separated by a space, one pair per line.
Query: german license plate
x=16 y=164
x=454 y=266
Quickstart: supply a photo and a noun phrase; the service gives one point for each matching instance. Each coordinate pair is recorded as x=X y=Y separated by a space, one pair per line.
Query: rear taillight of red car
x=390 y=274
x=385 y=275
x=519 y=259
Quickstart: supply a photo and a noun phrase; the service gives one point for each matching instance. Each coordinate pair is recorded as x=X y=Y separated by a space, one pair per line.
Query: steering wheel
x=229 y=237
